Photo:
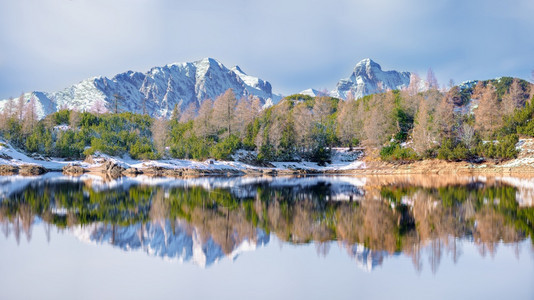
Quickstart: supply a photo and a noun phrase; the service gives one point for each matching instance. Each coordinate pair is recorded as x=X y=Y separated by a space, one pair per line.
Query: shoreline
x=225 y=168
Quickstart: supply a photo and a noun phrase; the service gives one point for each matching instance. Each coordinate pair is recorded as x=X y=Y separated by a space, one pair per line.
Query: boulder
x=131 y=172
x=73 y=170
x=8 y=170
x=31 y=170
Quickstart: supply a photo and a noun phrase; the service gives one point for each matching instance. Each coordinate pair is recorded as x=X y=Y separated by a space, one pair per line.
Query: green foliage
x=61 y=117
x=395 y=152
x=504 y=148
x=251 y=132
x=452 y=150
x=225 y=148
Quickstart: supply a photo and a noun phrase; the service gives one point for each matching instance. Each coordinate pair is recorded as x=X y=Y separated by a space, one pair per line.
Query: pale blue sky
x=47 y=45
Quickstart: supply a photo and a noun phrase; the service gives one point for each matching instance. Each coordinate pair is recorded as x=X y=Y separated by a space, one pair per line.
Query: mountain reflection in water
x=204 y=220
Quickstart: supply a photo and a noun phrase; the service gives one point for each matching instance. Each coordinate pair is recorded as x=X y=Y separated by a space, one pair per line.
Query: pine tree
x=176 y=113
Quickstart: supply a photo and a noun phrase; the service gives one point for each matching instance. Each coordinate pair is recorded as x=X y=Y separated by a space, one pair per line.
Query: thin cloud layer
x=50 y=44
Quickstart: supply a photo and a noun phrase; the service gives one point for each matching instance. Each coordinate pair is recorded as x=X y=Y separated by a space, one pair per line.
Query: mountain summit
x=156 y=91
x=368 y=78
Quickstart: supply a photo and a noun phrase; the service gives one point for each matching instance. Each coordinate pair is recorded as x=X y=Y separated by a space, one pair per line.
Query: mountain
x=368 y=78
x=157 y=90
x=174 y=242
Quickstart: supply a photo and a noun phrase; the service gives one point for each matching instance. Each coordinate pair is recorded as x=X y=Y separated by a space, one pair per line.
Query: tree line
x=477 y=122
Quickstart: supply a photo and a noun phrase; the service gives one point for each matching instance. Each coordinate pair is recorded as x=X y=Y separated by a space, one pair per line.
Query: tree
x=302 y=118
x=245 y=112
x=467 y=136
x=74 y=119
x=7 y=113
x=513 y=99
x=224 y=111
x=189 y=113
x=431 y=80
x=176 y=112
x=444 y=116
x=424 y=134
x=379 y=123
x=488 y=116
x=30 y=116
x=160 y=134
x=203 y=124
x=413 y=87
x=99 y=107
x=117 y=98
x=19 y=109
x=347 y=123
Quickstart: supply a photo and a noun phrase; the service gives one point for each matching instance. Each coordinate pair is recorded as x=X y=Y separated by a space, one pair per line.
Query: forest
x=470 y=122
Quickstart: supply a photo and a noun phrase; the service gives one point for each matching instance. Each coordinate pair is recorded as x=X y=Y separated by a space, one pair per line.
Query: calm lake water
x=383 y=237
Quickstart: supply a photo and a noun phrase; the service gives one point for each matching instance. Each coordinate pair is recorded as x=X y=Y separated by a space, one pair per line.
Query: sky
x=47 y=45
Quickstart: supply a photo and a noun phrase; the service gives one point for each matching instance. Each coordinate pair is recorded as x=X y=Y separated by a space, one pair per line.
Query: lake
x=317 y=237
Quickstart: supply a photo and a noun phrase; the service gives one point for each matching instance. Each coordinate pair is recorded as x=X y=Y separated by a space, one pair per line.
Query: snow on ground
x=13 y=157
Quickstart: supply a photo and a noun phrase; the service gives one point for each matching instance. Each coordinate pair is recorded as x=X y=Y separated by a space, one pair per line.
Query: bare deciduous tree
x=203 y=123
x=160 y=134
x=431 y=80
x=224 y=111
x=513 y=99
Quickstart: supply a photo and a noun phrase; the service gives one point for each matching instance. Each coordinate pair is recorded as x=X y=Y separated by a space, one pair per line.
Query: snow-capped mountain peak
x=369 y=78
x=157 y=91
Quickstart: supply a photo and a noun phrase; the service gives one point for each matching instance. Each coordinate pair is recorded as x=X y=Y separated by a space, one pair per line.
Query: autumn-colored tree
x=99 y=107
x=431 y=80
x=29 y=116
x=224 y=111
x=379 y=125
x=413 y=88
x=203 y=123
x=424 y=134
x=189 y=113
x=513 y=99
x=246 y=110
x=19 y=108
x=160 y=134
x=444 y=116
x=488 y=115
x=302 y=117
x=348 y=126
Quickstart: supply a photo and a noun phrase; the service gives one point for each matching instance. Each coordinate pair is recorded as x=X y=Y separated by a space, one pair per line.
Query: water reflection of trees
x=415 y=221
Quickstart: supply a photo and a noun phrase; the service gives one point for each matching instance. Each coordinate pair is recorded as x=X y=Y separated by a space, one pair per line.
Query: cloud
x=50 y=44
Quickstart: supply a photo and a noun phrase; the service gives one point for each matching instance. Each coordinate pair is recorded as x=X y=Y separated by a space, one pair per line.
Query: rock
x=31 y=170
x=89 y=159
x=73 y=170
x=154 y=171
x=8 y=170
x=5 y=156
x=131 y=172
x=173 y=172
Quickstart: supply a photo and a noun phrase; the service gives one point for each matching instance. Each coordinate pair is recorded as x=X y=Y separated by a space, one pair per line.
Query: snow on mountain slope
x=174 y=242
x=368 y=78
x=156 y=91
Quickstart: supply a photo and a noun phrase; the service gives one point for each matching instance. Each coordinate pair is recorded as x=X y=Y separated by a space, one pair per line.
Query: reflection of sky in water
x=66 y=268
x=239 y=260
